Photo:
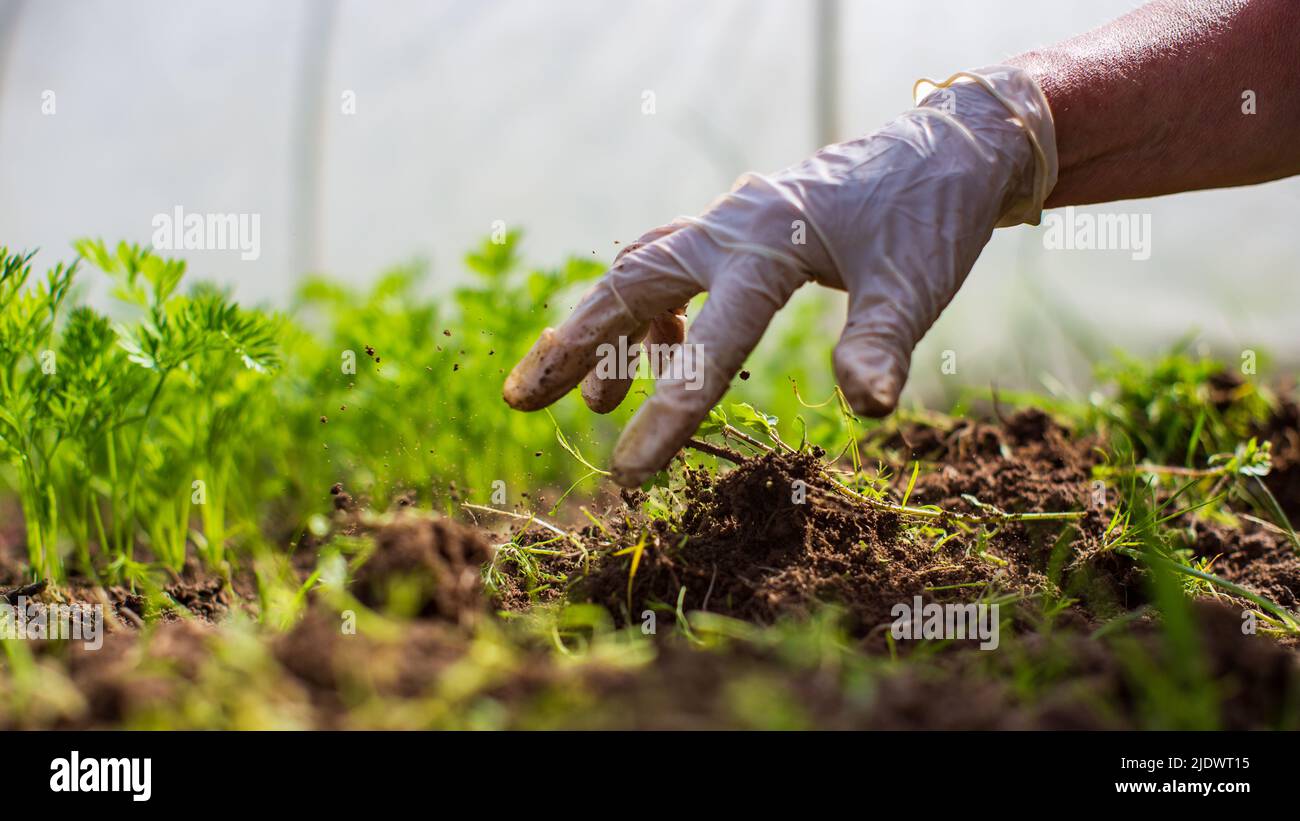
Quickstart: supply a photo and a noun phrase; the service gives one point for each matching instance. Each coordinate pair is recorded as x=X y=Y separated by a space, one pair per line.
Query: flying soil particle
x=744 y=376
x=342 y=499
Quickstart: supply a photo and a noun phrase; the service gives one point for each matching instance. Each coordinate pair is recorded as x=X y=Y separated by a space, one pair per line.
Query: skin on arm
x=1151 y=103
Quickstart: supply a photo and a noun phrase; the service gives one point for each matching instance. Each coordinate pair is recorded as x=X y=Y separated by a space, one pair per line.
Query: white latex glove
x=897 y=219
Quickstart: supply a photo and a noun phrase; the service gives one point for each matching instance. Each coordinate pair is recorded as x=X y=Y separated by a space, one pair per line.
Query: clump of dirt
x=774 y=538
x=337 y=663
x=1029 y=464
x=435 y=560
x=514 y=590
x=207 y=596
x=1258 y=558
x=1283 y=433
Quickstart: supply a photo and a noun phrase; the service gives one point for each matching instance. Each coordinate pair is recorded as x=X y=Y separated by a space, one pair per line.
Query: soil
x=1283 y=433
x=749 y=550
x=1251 y=555
x=1081 y=683
x=334 y=665
x=436 y=560
x=1255 y=677
x=770 y=541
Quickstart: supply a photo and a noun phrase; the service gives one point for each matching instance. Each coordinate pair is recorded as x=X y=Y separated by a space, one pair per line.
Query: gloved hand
x=897 y=219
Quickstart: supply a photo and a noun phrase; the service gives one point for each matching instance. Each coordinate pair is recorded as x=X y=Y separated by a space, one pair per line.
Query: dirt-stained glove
x=896 y=219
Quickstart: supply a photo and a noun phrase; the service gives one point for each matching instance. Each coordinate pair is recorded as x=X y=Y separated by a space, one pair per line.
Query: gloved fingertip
x=630 y=478
x=513 y=392
x=599 y=396
x=643 y=450
x=538 y=379
x=630 y=464
x=873 y=397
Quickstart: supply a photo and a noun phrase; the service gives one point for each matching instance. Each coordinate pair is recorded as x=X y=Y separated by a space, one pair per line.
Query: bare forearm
x=1152 y=103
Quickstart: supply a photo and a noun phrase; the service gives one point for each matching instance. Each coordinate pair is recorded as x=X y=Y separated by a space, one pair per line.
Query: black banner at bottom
x=373 y=770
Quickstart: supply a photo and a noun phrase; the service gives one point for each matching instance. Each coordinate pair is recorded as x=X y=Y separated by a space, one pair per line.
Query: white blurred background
x=532 y=113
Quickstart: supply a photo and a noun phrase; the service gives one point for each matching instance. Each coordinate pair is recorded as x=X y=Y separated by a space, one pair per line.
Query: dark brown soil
x=337 y=665
x=438 y=561
x=747 y=548
x=1256 y=680
x=1251 y=555
x=1029 y=464
x=516 y=594
x=1283 y=433
x=1066 y=681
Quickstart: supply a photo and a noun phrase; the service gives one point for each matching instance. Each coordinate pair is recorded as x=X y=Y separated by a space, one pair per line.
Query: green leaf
x=746 y=416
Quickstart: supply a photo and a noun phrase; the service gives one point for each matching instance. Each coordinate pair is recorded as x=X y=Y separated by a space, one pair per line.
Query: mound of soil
x=751 y=547
x=1029 y=464
x=773 y=538
x=339 y=666
x=1253 y=556
x=437 y=561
